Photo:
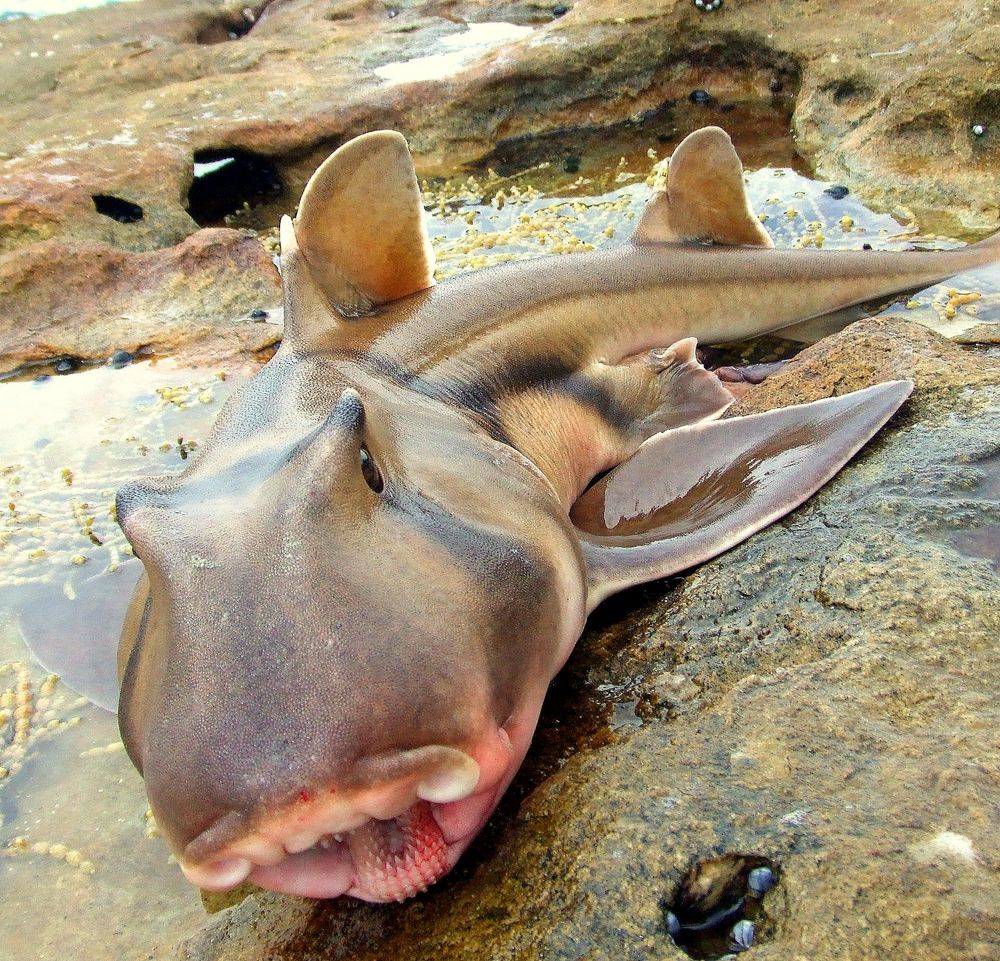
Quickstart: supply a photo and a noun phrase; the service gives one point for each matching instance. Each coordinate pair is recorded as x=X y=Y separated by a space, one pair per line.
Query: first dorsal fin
x=360 y=225
x=704 y=198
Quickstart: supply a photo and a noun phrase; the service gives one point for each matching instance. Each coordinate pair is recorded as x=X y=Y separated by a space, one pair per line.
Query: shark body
x=356 y=596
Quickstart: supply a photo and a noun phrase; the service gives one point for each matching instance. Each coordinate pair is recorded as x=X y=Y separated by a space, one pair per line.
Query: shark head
x=318 y=680
x=317 y=688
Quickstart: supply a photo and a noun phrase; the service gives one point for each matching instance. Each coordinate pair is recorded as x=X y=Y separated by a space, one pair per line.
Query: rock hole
x=124 y=211
x=228 y=183
x=231 y=24
x=720 y=907
x=753 y=112
x=846 y=90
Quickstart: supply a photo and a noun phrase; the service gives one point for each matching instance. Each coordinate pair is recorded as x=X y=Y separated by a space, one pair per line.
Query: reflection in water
x=82 y=874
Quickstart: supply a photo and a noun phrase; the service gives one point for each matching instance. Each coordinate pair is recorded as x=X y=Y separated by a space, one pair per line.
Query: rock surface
x=88 y=301
x=822 y=695
x=108 y=115
x=118 y=101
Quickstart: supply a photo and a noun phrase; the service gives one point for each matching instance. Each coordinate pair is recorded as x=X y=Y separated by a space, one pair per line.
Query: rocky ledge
x=134 y=126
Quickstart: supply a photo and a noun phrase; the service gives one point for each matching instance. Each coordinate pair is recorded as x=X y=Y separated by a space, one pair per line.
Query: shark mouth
x=384 y=843
x=379 y=860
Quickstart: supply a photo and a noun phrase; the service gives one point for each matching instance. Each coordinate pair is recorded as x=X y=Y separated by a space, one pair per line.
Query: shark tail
x=943 y=265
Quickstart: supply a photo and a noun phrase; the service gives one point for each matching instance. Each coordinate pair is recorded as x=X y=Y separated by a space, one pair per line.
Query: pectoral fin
x=704 y=199
x=75 y=633
x=360 y=225
x=690 y=493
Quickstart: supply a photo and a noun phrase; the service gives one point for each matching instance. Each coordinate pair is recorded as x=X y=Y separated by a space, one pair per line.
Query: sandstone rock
x=822 y=696
x=87 y=300
x=109 y=114
x=124 y=100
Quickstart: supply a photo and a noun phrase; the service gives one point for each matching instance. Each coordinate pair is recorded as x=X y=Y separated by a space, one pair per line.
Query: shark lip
x=377 y=860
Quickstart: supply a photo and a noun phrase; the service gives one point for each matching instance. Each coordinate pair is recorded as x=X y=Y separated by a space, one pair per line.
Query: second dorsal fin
x=704 y=198
x=360 y=225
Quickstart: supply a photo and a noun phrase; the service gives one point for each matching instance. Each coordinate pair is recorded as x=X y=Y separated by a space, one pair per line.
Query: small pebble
x=120 y=359
x=741 y=937
x=760 y=881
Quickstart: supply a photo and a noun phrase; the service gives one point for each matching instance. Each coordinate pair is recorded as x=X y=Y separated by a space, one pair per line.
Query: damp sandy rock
x=127 y=102
x=821 y=696
x=88 y=301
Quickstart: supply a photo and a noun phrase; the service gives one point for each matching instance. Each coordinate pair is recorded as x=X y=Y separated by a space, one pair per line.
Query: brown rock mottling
x=87 y=301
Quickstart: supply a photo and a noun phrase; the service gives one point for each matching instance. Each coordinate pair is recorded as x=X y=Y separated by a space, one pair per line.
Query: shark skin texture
x=356 y=595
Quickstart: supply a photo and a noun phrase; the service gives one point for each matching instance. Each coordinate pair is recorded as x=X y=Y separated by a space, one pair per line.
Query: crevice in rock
x=124 y=211
x=718 y=909
x=228 y=182
x=847 y=89
x=232 y=23
x=748 y=89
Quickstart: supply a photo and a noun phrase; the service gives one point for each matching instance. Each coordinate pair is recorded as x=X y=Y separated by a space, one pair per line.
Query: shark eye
x=370 y=472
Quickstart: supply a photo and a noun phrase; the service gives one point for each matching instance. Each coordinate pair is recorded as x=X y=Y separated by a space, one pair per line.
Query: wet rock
x=845 y=666
x=92 y=301
x=121 y=101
